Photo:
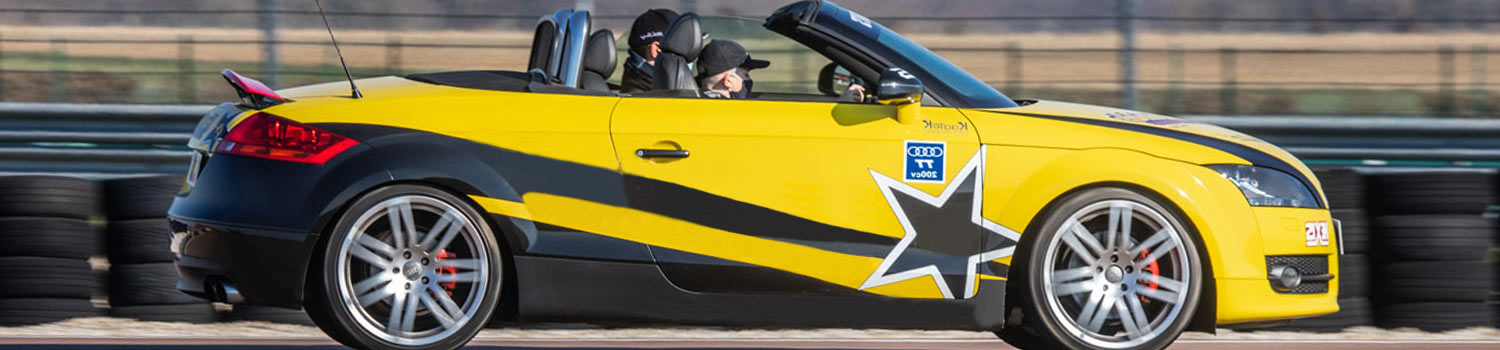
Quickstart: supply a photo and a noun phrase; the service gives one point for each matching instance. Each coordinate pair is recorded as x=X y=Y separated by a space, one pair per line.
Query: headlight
x=1266 y=187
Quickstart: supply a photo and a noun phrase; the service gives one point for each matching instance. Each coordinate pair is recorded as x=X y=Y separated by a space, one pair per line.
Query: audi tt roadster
x=413 y=214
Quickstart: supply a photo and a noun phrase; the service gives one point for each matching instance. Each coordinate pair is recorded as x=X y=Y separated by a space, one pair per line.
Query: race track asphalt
x=708 y=344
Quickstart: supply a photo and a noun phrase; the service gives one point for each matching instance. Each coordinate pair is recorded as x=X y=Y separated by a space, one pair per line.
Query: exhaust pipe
x=223 y=291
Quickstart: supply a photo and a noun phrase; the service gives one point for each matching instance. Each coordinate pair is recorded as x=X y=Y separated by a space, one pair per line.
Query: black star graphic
x=944 y=233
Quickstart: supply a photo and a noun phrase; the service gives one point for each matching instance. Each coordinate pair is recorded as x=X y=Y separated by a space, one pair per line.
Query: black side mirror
x=902 y=90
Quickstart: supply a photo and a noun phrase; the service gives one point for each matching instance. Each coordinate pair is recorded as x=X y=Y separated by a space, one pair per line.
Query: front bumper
x=1283 y=233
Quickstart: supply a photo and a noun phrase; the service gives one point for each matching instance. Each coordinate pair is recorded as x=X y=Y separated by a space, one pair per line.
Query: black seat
x=599 y=58
x=679 y=47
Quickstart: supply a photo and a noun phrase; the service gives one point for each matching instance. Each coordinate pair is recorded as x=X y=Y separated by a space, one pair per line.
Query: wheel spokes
x=373 y=289
x=403 y=226
x=1084 y=246
x=1096 y=310
x=467 y=264
x=1118 y=236
x=1159 y=294
x=466 y=277
x=436 y=311
x=359 y=251
x=445 y=226
x=1156 y=254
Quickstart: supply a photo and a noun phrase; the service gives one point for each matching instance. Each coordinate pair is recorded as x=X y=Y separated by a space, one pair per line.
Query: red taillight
x=267 y=136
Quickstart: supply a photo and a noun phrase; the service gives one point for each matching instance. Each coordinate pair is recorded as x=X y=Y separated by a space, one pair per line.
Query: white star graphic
x=975 y=167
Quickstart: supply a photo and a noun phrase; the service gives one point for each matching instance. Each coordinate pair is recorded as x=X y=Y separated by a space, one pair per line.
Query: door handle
x=661 y=153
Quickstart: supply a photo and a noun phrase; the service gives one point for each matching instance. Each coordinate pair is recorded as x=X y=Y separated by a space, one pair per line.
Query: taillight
x=268 y=136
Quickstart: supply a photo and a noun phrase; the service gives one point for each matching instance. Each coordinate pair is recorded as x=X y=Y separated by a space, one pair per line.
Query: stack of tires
x=142 y=274
x=1431 y=240
x=46 y=240
x=1345 y=189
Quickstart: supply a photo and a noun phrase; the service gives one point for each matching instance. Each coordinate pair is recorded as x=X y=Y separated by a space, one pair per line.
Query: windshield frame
x=953 y=86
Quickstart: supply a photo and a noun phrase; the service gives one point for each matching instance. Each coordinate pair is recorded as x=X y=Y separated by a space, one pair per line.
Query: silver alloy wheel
x=1116 y=274
x=413 y=270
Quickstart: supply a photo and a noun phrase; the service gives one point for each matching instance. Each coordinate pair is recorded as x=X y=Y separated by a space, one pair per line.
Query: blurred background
x=1392 y=101
x=1269 y=57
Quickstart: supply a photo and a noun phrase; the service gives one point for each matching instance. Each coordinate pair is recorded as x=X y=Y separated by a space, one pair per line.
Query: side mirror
x=902 y=90
x=834 y=79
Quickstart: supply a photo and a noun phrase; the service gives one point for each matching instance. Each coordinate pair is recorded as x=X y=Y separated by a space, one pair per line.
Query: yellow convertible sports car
x=410 y=215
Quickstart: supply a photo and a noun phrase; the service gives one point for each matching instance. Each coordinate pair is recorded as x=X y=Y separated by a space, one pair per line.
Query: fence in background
x=109 y=140
x=1449 y=79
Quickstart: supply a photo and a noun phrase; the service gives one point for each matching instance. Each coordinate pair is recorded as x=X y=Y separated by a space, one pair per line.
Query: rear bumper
x=266 y=267
x=253 y=223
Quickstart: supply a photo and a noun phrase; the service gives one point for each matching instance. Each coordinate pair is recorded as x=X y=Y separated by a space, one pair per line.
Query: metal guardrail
x=118 y=139
x=96 y=139
x=1374 y=139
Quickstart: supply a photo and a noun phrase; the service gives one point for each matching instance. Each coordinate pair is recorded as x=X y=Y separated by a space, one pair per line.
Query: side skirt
x=568 y=290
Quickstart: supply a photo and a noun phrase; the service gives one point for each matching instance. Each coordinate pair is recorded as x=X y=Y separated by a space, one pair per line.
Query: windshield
x=957 y=86
x=975 y=92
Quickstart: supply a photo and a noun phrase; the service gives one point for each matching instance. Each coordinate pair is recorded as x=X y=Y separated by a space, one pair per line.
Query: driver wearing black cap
x=724 y=70
x=645 y=44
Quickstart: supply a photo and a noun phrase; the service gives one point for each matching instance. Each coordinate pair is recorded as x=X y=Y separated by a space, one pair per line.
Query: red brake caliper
x=1155 y=271
x=451 y=271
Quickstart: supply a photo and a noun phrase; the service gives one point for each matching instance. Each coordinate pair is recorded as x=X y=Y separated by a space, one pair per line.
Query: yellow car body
x=744 y=150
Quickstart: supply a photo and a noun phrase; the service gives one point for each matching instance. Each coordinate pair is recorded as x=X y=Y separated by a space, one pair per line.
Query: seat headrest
x=685 y=37
x=599 y=54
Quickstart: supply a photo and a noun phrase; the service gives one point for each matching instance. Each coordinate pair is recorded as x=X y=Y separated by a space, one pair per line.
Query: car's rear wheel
x=406 y=267
x=1109 y=269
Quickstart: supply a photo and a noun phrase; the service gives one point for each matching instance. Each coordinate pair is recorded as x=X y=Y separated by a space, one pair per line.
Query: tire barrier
x=1430 y=246
x=143 y=275
x=1345 y=189
x=45 y=275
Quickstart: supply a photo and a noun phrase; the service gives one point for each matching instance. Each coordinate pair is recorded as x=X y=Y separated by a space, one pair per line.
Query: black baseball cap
x=650 y=27
x=722 y=55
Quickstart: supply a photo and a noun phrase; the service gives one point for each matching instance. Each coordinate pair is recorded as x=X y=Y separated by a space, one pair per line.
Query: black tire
x=1041 y=329
x=47 y=237
x=146 y=284
x=1433 y=237
x=1435 y=317
x=32 y=311
x=1353 y=312
x=49 y=196
x=1356 y=232
x=1354 y=276
x=1344 y=187
x=1431 y=192
x=325 y=307
x=202 y=312
x=140 y=197
x=1442 y=281
x=140 y=241
x=269 y=314
x=32 y=277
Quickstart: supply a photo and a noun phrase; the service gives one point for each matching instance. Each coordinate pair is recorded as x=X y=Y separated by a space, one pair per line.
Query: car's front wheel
x=1109 y=269
x=406 y=267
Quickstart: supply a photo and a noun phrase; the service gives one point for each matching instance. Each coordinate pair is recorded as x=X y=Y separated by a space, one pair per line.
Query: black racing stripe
x=707 y=209
x=1252 y=155
x=415 y=154
x=702 y=273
